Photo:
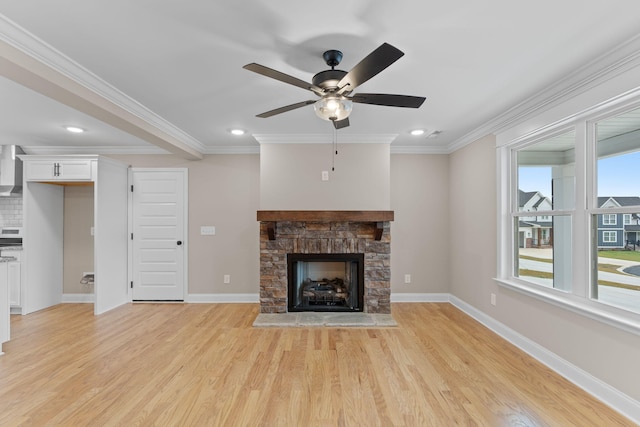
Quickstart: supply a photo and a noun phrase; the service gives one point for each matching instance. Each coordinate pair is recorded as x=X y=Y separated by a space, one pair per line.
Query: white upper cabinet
x=58 y=170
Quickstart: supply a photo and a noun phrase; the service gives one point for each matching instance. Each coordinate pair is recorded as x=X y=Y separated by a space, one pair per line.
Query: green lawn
x=625 y=255
x=611 y=268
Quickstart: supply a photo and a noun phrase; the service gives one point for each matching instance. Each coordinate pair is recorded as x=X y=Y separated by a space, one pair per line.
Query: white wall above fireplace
x=291 y=176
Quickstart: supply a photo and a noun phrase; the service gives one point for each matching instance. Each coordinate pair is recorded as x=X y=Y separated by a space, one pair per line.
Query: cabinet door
x=14 y=277
x=71 y=170
x=37 y=170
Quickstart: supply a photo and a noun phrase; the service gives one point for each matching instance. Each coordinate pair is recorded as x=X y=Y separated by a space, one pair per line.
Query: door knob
x=179 y=242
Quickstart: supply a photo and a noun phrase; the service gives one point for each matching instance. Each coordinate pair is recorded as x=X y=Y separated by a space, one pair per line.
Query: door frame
x=185 y=201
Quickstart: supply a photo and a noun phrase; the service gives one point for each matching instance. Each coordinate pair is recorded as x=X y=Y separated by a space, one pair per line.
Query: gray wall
x=290 y=177
x=223 y=192
x=420 y=238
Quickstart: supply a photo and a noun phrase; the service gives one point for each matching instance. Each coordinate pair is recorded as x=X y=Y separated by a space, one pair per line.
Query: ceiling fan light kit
x=334 y=87
x=333 y=108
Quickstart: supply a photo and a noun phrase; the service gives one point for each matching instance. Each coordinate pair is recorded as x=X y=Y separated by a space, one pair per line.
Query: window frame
x=606 y=233
x=578 y=299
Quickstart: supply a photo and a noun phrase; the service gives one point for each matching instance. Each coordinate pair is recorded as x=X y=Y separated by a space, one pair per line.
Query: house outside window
x=583 y=168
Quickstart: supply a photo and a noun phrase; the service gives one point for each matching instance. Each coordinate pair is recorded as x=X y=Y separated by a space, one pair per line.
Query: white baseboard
x=78 y=298
x=406 y=297
x=616 y=399
x=222 y=298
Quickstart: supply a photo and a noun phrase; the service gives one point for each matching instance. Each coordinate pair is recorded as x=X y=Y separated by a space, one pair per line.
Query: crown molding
x=409 y=149
x=241 y=149
x=596 y=72
x=324 y=139
x=74 y=150
x=20 y=39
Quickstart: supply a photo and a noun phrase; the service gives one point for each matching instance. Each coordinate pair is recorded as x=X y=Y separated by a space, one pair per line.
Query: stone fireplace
x=331 y=237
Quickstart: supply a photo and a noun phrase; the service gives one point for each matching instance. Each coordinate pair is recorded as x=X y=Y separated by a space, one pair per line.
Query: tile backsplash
x=11 y=211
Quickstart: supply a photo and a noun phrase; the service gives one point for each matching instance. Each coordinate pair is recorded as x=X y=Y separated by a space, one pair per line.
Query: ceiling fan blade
x=339 y=124
x=285 y=78
x=374 y=63
x=285 y=109
x=388 y=100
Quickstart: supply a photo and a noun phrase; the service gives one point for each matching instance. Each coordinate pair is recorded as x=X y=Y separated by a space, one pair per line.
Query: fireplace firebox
x=325 y=282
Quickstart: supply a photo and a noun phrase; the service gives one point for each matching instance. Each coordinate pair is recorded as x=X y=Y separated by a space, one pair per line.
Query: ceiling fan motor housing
x=328 y=79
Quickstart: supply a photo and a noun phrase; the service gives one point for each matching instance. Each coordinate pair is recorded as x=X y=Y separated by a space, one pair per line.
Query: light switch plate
x=207 y=230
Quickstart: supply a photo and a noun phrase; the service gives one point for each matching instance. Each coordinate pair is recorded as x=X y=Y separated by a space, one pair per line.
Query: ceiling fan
x=334 y=87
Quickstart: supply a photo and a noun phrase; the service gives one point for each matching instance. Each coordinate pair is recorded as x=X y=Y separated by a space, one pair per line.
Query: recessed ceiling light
x=417 y=132
x=237 y=132
x=74 y=129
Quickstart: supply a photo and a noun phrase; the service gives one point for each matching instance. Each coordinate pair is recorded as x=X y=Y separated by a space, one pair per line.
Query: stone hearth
x=325 y=232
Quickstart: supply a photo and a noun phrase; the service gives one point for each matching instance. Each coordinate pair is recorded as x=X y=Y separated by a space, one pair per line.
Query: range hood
x=10 y=170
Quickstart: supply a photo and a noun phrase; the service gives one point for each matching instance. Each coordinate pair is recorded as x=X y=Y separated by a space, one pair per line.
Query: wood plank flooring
x=204 y=365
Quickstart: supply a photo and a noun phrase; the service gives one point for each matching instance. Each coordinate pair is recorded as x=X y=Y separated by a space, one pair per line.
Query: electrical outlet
x=493 y=299
x=325 y=175
x=227 y=278
x=407 y=278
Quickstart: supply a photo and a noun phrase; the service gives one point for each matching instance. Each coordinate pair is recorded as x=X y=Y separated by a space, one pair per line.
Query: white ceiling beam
x=35 y=69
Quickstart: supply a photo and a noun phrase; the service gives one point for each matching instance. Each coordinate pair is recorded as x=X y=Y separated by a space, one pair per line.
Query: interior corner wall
x=605 y=352
x=291 y=177
x=420 y=239
x=472 y=212
x=224 y=193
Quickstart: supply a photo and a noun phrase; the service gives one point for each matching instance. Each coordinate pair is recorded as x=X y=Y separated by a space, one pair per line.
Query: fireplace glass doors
x=325 y=282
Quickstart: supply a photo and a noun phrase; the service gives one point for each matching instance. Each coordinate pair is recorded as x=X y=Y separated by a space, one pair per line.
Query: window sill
x=618 y=318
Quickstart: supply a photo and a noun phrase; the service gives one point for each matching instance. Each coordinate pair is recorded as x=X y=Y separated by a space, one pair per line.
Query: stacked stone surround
x=309 y=237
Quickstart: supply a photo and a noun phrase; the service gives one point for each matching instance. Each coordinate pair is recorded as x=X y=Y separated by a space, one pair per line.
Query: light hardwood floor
x=204 y=365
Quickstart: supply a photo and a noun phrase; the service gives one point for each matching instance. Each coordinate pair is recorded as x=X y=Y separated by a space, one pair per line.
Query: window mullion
x=581 y=234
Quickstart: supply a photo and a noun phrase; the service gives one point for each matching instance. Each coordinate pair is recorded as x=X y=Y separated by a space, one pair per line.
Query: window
x=609 y=219
x=617 y=147
x=569 y=207
x=545 y=183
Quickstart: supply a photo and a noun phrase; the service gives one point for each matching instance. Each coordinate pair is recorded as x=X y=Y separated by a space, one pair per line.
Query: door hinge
x=132 y=284
x=131 y=236
x=132 y=188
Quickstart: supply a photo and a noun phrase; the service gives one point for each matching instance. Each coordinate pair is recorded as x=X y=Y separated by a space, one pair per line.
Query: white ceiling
x=173 y=70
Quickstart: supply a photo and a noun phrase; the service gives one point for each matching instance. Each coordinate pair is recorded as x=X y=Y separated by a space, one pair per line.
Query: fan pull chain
x=334 y=149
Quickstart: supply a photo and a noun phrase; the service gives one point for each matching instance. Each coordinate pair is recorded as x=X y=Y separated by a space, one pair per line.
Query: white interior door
x=159 y=229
